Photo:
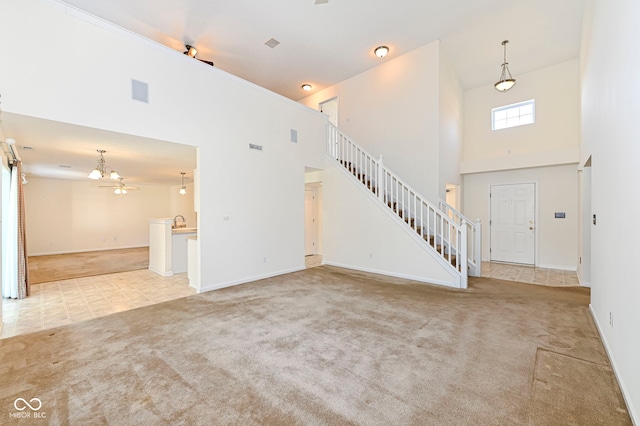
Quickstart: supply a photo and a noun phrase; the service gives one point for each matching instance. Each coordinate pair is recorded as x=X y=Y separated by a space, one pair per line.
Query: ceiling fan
x=120 y=188
x=192 y=52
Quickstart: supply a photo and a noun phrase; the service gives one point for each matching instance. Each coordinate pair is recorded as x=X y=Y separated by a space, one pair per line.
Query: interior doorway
x=330 y=108
x=512 y=223
x=452 y=195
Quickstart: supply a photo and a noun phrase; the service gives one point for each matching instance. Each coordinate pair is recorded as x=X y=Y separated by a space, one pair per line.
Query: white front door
x=310 y=223
x=512 y=223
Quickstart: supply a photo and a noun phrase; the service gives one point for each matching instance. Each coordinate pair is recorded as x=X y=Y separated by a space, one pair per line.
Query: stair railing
x=439 y=231
x=474 y=235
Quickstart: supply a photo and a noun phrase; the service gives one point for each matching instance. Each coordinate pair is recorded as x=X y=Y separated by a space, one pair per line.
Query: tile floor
x=64 y=302
x=530 y=274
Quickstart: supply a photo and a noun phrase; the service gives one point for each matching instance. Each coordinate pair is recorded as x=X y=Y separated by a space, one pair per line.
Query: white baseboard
x=393 y=274
x=204 y=289
x=164 y=274
x=558 y=267
x=49 y=253
x=625 y=394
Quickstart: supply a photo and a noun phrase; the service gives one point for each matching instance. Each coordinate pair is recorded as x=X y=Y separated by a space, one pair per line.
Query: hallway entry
x=512 y=223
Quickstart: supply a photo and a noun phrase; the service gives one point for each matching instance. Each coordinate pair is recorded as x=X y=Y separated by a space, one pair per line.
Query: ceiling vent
x=256 y=147
x=272 y=43
x=322 y=1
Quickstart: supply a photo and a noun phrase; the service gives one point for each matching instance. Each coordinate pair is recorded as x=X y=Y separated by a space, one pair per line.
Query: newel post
x=464 y=256
x=478 y=248
x=380 y=180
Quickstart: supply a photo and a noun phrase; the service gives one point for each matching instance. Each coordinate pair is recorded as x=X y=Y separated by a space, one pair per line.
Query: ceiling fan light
x=191 y=51
x=114 y=175
x=124 y=191
x=95 y=174
x=381 y=51
x=117 y=191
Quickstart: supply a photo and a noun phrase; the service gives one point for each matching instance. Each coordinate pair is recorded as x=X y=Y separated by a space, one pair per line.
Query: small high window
x=513 y=115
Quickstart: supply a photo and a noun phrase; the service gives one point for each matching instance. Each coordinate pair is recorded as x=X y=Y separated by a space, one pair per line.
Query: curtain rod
x=9 y=147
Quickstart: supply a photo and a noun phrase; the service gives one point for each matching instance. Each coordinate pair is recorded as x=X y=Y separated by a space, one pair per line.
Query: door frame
x=315 y=226
x=326 y=101
x=536 y=220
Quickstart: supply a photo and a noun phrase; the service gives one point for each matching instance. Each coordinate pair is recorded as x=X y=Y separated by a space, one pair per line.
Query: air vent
x=26 y=148
x=256 y=147
x=272 y=43
x=322 y=1
x=140 y=91
x=294 y=136
x=64 y=166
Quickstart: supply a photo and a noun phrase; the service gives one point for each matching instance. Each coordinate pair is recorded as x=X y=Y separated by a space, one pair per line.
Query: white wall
x=65 y=216
x=451 y=110
x=360 y=233
x=557 y=191
x=393 y=110
x=553 y=139
x=261 y=193
x=611 y=134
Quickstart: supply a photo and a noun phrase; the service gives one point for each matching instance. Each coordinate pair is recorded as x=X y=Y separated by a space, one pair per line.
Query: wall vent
x=256 y=147
x=139 y=91
x=294 y=136
x=272 y=42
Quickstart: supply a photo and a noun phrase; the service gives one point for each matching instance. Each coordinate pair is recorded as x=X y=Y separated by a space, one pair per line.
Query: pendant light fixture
x=183 y=189
x=101 y=168
x=505 y=83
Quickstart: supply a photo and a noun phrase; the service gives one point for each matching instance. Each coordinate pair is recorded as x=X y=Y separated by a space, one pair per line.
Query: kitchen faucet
x=175 y=219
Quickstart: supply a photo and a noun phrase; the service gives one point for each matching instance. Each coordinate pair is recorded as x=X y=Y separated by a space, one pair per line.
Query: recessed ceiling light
x=272 y=43
x=381 y=51
x=306 y=87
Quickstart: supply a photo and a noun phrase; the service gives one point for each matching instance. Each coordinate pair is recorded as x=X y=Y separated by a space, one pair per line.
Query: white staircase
x=447 y=234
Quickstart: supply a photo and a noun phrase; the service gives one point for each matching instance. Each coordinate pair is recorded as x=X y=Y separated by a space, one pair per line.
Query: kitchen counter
x=168 y=247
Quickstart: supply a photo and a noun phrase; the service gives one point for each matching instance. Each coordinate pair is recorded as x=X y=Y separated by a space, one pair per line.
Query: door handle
x=531 y=228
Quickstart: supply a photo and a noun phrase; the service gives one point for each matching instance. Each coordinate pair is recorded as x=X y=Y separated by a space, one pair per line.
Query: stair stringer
x=360 y=232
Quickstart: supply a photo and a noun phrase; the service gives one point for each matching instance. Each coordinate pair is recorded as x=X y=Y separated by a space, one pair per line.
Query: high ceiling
x=321 y=42
x=325 y=43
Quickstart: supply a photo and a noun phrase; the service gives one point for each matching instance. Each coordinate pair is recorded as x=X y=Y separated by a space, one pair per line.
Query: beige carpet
x=58 y=267
x=325 y=346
